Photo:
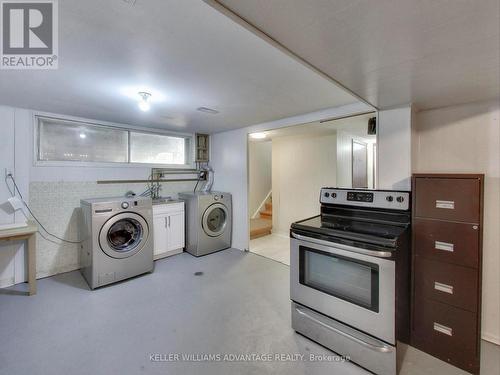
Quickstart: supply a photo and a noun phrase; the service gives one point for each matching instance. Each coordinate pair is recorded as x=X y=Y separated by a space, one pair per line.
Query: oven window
x=352 y=280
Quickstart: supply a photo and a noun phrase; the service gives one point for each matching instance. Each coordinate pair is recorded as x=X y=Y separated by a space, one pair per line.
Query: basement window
x=61 y=141
x=70 y=141
x=157 y=149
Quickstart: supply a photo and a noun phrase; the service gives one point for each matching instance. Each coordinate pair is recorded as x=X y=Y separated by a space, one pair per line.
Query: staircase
x=263 y=225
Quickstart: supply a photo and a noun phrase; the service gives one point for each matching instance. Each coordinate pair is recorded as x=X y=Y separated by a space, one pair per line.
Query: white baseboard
x=5 y=283
x=168 y=254
x=490 y=338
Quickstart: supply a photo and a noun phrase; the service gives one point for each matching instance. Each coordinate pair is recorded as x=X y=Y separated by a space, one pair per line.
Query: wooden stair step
x=269 y=206
x=267 y=214
x=260 y=228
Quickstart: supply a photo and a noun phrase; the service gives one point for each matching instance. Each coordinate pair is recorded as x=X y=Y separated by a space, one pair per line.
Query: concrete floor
x=274 y=246
x=239 y=305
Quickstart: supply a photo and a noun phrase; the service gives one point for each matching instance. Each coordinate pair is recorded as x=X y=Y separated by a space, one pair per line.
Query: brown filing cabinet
x=446 y=272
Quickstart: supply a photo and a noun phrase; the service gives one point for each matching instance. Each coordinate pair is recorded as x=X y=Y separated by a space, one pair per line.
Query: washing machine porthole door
x=123 y=235
x=214 y=219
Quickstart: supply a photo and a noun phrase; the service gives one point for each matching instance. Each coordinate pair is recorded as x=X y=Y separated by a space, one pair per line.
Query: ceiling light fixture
x=207 y=110
x=144 y=104
x=83 y=135
x=258 y=135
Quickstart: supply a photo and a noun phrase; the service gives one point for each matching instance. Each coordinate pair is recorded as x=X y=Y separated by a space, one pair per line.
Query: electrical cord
x=197 y=182
x=33 y=215
x=201 y=173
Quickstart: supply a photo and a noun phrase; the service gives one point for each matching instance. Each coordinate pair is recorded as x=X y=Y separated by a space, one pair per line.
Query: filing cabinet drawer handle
x=443 y=329
x=438 y=245
x=449 y=205
x=443 y=287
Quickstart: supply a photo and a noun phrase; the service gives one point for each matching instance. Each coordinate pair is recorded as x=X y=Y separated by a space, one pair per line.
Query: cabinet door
x=176 y=231
x=160 y=234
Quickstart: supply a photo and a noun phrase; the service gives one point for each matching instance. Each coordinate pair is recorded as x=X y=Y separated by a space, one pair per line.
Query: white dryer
x=208 y=221
x=117 y=236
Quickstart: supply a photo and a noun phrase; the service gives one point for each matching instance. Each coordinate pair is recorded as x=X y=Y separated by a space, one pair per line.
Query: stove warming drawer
x=375 y=355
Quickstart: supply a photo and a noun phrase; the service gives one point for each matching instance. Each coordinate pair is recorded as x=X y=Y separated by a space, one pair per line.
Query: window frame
x=38 y=117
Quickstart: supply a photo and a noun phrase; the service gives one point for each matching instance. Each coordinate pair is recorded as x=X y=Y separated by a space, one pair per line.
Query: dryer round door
x=124 y=235
x=214 y=220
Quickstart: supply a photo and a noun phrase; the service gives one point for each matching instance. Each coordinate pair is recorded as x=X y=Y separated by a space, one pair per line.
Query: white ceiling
x=431 y=53
x=185 y=50
x=356 y=125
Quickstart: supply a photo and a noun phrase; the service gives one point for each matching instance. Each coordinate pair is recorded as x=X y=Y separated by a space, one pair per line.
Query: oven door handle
x=381 y=348
x=375 y=253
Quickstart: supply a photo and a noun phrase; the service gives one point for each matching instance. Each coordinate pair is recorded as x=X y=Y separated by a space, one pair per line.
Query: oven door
x=345 y=284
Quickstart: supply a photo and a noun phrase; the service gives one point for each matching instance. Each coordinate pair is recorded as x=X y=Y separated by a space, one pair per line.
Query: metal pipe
x=170 y=171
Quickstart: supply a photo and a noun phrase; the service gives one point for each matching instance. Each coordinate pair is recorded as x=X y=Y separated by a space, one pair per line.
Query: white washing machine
x=117 y=236
x=208 y=222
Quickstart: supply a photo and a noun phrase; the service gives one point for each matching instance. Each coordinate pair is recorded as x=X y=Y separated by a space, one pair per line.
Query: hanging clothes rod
x=161 y=181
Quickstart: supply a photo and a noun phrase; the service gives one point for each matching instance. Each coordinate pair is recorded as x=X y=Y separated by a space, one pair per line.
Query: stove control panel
x=359 y=196
x=393 y=200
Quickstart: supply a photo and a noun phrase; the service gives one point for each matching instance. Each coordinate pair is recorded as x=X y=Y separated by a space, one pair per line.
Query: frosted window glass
x=157 y=149
x=70 y=141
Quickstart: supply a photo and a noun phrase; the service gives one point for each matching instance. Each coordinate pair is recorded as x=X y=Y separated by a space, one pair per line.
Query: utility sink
x=166 y=200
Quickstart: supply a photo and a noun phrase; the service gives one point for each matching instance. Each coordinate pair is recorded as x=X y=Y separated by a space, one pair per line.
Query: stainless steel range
x=350 y=275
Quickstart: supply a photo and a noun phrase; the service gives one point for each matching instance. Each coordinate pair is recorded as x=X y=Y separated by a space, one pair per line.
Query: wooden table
x=27 y=234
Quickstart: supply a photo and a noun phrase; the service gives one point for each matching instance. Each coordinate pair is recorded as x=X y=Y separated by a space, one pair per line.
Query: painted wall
x=259 y=172
x=229 y=161
x=466 y=139
x=54 y=194
x=301 y=166
x=394 y=149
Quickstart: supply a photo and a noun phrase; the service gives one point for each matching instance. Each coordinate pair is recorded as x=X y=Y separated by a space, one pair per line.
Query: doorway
x=260 y=200
x=288 y=167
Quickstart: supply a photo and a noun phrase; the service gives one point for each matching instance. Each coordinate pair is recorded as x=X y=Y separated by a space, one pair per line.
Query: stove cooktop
x=334 y=225
x=347 y=229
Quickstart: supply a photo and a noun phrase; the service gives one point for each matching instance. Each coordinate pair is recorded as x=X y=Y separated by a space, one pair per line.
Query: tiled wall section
x=57 y=206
